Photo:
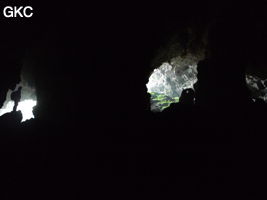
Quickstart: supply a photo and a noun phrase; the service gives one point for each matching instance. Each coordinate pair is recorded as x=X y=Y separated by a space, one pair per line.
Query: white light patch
x=26 y=108
x=7 y=107
x=26 y=104
x=167 y=82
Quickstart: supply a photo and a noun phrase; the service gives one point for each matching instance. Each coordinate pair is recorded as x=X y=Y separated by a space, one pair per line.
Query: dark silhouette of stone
x=16 y=96
x=221 y=76
x=10 y=119
x=187 y=97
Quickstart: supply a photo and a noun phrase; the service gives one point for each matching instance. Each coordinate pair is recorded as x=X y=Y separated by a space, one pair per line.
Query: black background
x=94 y=133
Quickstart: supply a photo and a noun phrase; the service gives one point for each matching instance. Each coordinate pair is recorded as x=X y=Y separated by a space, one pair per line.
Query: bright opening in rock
x=7 y=107
x=26 y=108
x=26 y=104
x=167 y=82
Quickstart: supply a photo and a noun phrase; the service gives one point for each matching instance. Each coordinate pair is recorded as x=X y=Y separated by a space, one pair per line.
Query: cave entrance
x=27 y=102
x=167 y=81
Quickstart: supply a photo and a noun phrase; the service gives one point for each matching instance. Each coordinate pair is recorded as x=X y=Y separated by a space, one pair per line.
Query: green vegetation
x=161 y=101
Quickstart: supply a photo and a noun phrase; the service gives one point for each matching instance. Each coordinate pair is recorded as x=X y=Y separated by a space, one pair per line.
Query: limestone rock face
x=167 y=82
x=257 y=86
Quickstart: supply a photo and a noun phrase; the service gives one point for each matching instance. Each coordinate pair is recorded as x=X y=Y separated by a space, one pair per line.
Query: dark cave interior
x=94 y=131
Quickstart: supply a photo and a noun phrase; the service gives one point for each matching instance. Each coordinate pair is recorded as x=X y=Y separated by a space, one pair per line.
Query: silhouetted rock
x=12 y=118
x=187 y=97
x=16 y=96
